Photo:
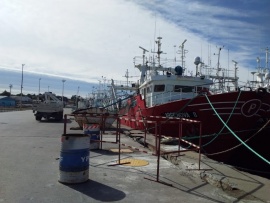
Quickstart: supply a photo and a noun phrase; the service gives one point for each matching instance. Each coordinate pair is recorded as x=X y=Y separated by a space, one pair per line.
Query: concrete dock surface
x=29 y=170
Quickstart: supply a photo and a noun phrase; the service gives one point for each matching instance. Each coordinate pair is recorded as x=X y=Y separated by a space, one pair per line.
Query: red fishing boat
x=230 y=115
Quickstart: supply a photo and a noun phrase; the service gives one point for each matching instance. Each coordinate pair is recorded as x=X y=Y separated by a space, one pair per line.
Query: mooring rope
x=226 y=121
x=240 y=143
x=261 y=157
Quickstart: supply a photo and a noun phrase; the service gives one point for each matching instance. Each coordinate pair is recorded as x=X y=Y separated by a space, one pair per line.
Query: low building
x=7 y=101
x=24 y=101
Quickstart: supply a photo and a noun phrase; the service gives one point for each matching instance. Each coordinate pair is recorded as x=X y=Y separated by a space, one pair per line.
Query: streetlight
x=63 y=92
x=21 y=87
x=39 y=87
x=76 y=102
x=10 y=86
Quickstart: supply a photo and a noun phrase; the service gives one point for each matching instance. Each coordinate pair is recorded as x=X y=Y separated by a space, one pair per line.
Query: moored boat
x=230 y=115
x=95 y=111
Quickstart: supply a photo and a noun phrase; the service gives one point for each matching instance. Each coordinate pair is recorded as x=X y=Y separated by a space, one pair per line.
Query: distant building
x=26 y=101
x=7 y=101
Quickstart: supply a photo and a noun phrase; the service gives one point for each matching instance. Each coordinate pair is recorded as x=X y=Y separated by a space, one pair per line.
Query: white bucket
x=73 y=177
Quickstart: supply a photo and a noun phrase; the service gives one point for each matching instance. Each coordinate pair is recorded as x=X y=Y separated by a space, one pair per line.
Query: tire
x=59 y=117
x=38 y=118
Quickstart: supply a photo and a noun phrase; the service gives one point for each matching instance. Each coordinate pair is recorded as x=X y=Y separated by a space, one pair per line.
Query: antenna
x=183 y=52
x=235 y=74
x=235 y=62
x=127 y=76
x=158 y=42
x=144 y=50
x=184 y=42
x=219 y=50
x=221 y=82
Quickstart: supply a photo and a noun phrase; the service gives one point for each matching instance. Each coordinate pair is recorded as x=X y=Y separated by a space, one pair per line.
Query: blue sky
x=87 y=39
x=241 y=25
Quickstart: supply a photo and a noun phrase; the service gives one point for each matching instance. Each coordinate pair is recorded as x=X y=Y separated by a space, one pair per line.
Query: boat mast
x=235 y=74
x=158 y=42
x=218 y=64
x=266 y=71
x=159 y=50
x=144 y=50
x=143 y=67
x=127 y=76
x=219 y=69
x=183 y=52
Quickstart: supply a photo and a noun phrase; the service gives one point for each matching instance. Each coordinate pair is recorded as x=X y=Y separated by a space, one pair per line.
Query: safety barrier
x=159 y=121
x=102 y=117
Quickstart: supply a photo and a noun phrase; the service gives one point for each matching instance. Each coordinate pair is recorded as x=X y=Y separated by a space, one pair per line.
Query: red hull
x=244 y=112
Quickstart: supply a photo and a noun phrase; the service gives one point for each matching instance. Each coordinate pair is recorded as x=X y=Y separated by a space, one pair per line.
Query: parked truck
x=49 y=107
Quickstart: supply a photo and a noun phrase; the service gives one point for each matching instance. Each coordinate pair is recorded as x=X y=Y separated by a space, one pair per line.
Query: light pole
x=76 y=102
x=39 y=87
x=63 y=92
x=21 y=87
x=10 y=86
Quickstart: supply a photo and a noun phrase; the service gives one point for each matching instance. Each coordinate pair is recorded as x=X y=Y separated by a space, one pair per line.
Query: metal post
x=180 y=136
x=119 y=139
x=39 y=88
x=200 y=143
x=145 y=135
x=65 y=124
x=101 y=135
x=158 y=149
x=10 y=86
x=21 y=87
x=156 y=134
x=63 y=92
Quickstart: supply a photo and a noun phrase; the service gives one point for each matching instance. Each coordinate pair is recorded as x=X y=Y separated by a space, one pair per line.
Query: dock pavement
x=29 y=170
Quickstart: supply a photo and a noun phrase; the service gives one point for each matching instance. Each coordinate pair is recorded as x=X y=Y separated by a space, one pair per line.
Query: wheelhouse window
x=180 y=88
x=159 y=88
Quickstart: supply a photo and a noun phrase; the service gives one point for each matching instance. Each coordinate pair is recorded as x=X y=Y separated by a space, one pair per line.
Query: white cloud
x=88 y=39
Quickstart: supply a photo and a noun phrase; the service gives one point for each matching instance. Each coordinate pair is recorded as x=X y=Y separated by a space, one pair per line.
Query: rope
x=261 y=157
x=240 y=143
x=226 y=121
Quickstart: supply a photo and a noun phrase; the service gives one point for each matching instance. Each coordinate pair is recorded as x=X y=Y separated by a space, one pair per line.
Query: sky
x=86 y=40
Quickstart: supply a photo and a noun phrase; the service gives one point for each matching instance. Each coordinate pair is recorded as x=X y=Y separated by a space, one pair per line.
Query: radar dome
x=197 y=60
x=178 y=70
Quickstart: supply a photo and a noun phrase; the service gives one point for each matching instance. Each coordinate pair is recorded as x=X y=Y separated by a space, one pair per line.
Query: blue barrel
x=74 y=158
x=93 y=131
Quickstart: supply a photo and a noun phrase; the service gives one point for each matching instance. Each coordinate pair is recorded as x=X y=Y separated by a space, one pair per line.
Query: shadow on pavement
x=99 y=191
